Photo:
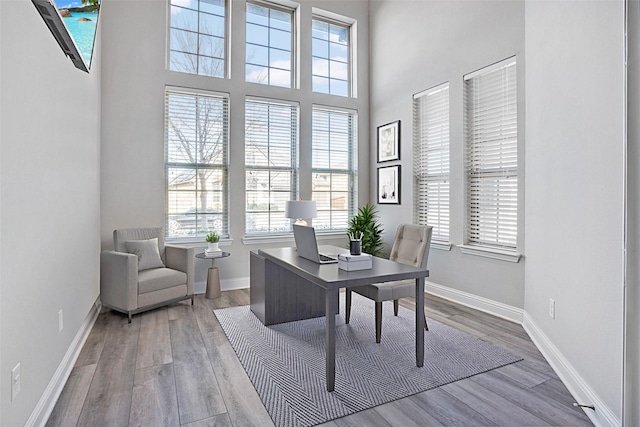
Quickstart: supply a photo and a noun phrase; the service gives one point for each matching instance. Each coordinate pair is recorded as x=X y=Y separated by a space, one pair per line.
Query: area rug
x=286 y=362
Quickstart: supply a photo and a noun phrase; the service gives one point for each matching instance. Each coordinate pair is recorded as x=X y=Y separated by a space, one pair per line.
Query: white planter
x=213 y=247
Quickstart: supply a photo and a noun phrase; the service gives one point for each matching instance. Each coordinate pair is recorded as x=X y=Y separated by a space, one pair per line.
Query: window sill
x=195 y=242
x=441 y=246
x=288 y=238
x=483 y=251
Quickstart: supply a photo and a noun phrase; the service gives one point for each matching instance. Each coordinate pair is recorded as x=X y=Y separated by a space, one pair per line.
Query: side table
x=213 y=276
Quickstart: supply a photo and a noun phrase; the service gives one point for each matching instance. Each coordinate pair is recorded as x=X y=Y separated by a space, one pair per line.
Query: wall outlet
x=60 y=321
x=15 y=382
x=552 y=308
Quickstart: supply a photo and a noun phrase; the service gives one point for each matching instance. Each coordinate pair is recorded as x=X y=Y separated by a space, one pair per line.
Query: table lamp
x=300 y=209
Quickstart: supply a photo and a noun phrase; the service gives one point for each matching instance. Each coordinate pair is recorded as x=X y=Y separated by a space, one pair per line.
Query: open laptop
x=308 y=246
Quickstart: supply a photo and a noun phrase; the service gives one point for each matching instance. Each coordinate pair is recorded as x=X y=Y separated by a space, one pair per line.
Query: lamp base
x=301 y=221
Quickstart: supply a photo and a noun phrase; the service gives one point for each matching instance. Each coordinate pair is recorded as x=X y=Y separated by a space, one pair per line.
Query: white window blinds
x=491 y=133
x=271 y=164
x=196 y=162
x=334 y=162
x=431 y=160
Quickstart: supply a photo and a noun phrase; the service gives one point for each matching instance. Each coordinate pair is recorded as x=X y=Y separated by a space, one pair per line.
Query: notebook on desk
x=307 y=245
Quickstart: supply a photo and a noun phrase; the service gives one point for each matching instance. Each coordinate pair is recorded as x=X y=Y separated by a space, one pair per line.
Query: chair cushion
x=147 y=252
x=388 y=290
x=159 y=278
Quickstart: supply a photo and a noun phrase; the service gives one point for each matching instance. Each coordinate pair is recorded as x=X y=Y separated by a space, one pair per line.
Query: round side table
x=213 y=276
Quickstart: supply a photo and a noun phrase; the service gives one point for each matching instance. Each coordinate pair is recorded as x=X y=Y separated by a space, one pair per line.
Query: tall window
x=197 y=37
x=271 y=164
x=269 y=45
x=431 y=160
x=196 y=162
x=334 y=161
x=491 y=133
x=330 y=56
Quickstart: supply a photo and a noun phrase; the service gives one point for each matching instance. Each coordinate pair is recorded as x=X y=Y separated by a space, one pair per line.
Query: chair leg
x=192 y=299
x=378 y=321
x=129 y=313
x=395 y=307
x=426 y=326
x=348 y=305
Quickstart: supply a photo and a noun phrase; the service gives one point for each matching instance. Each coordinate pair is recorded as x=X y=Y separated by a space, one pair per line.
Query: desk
x=329 y=278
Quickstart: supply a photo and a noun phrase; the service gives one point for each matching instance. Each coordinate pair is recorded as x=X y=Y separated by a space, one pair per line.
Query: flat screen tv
x=73 y=23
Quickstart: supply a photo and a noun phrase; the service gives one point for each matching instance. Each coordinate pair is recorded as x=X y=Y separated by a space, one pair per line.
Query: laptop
x=308 y=246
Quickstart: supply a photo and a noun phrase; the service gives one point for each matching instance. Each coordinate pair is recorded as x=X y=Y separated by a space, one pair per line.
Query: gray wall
x=574 y=186
x=632 y=373
x=415 y=46
x=135 y=75
x=49 y=203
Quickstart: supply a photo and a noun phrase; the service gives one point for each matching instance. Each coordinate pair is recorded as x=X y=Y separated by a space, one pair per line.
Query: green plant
x=365 y=223
x=212 y=237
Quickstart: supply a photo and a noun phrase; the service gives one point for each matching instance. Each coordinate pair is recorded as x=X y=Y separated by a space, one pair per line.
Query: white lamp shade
x=298 y=209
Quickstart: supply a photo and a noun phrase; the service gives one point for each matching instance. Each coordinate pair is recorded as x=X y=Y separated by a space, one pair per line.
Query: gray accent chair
x=125 y=289
x=410 y=247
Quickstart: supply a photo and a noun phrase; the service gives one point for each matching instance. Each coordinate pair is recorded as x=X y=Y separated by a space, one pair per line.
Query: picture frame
x=389 y=142
x=389 y=185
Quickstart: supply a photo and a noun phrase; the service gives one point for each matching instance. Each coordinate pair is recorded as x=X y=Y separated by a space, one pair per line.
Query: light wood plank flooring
x=175 y=367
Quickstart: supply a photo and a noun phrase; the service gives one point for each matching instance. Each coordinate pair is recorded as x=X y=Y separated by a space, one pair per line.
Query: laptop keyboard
x=326 y=258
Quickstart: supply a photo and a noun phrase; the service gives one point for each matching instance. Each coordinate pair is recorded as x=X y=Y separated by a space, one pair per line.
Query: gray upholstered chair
x=143 y=273
x=410 y=247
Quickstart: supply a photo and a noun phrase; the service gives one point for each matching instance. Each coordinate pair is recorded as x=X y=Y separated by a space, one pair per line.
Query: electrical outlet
x=552 y=308
x=15 y=382
x=60 y=321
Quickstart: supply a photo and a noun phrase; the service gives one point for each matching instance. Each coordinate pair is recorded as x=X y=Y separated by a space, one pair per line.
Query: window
x=196 y=162
x=197 y=37
x=491 y=133
x=271 y=164
x=330 y=56
x=334 y=167
x=431 y=160
x=268 y=45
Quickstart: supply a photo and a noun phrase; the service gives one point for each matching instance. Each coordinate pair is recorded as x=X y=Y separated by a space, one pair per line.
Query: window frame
x=432 y=141
x=352 y=171
x=350 y=25
x=224 y=166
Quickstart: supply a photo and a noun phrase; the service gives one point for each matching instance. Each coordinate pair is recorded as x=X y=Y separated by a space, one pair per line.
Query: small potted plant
x=212 y=239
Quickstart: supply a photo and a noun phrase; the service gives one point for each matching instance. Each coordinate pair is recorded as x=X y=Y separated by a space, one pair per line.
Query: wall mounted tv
x=73 y=23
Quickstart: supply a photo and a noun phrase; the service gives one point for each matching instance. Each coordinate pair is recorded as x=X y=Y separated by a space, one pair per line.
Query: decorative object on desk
x=300 y=210
x=212 y=239
x=292 y=385
x=366 y=225
x=212 y=254
x=389 y=142
x=389 y=185
x=350 y=262
x=355 y=243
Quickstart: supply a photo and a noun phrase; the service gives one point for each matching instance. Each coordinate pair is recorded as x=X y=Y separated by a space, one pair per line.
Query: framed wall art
x=389 y=185
x=389 y=142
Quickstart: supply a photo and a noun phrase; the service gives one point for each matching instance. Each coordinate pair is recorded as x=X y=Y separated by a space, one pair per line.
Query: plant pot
x=213 y=247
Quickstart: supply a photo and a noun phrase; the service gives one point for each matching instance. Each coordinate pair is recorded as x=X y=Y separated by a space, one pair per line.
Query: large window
x=196 y=162
x=334 y=160
x=197 y=37
x=431 y=160
x=269 y=45
x=491 y=133
x=271 y=164
x=330 y=56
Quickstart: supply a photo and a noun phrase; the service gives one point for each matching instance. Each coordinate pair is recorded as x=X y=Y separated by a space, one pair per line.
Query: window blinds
x=334 y=167
x=491 y=133
x=431 y=160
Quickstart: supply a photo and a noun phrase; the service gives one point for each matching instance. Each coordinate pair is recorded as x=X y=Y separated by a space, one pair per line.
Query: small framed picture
x=389 y=185
x=389 y=142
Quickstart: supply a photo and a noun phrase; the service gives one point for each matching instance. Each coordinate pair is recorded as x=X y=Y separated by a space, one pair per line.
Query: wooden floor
x=175 y=367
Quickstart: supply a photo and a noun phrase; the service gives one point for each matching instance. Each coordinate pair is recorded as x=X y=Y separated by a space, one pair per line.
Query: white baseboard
x=225 y=285
x=495 y=308
x=603 y=416
x=48 y=400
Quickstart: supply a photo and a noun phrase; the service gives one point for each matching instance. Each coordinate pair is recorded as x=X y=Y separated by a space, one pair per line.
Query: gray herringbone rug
x=286 y=362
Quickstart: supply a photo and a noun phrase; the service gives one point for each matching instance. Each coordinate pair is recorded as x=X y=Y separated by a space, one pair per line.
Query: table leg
x=213 y=283
x=419 y=321
x=331 y=305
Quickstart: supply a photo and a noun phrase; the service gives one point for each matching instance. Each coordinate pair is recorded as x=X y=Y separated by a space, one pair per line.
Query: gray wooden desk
x=329 y=278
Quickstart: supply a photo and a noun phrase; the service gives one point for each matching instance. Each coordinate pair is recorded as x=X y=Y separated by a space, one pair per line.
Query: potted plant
x=212 y=239
x=366 y=225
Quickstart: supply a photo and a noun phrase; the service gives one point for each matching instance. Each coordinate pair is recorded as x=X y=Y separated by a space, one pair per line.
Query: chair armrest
x=182 y=259
x=119 y=280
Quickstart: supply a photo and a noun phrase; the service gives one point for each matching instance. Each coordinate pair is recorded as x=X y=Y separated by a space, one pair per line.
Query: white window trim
x=288 y=238
x=493 y=253
x=440 y=245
